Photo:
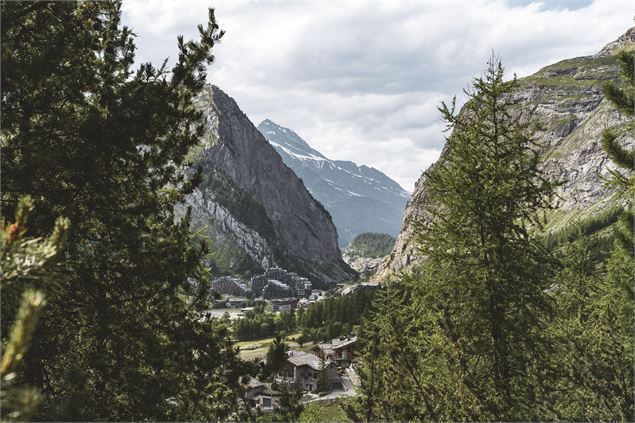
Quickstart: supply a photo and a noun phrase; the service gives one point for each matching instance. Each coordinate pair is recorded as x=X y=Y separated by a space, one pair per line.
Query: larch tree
x=595 y=298
x=464 y=337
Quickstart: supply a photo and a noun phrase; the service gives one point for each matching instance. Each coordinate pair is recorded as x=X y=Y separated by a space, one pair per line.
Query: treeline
x=370 y=244
x=493 y=326
x=260 y=324
x=327 y=319
x=335 y=316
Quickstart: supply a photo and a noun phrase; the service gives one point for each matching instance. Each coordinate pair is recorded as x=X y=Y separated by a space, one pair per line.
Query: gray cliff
x=255 y=209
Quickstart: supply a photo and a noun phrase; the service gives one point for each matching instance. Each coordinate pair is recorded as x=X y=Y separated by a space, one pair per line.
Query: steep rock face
x=567 y=99
x=251 y=197
x=360 y=198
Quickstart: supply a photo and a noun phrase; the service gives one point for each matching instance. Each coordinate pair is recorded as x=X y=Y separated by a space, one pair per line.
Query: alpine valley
x=255 y=211
x=360 y=198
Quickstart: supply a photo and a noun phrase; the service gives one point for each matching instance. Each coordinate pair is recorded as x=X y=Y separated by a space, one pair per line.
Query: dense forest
x=500 y=322
x=371 y=245
x=323 y=320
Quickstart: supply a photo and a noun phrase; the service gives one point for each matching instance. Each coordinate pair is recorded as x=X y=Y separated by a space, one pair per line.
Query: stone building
x=339 y=350
x=305 y=371
x=284 y=305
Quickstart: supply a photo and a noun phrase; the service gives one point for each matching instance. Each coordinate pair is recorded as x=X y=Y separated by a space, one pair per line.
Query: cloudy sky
x=360 y=80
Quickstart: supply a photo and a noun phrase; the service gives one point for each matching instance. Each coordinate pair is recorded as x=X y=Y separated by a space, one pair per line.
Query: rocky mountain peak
x=287 y=138
x=360 y=198
x=266 y=210
x=624 y=41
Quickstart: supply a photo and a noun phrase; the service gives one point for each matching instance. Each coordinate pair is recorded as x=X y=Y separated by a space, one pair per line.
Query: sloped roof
x=301 y=358
x=341 y=343
x=251 y=384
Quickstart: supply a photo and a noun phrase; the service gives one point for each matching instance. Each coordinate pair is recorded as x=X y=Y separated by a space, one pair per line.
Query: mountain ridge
x=360 y=198
x=567 y=100
x=253 y=204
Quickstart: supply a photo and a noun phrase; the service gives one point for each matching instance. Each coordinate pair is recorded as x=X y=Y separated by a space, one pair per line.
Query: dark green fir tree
x=89 y=137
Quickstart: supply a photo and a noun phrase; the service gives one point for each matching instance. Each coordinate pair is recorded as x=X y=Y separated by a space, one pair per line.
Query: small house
x=339 y=350
x=306 y=371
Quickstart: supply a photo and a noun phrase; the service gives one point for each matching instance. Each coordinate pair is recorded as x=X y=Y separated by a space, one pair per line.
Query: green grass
x=263 y=346
x=266 y=341
x=323 y=411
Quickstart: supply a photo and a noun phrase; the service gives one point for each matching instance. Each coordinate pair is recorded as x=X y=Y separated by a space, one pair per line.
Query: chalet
x=260 y=394
x=339 y=350
x=304 y=371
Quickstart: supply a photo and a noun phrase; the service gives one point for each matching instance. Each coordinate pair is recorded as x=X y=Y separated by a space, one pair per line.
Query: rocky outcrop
x=251 y=197
x=567 y=99
x=366 y=267
x=221 y=225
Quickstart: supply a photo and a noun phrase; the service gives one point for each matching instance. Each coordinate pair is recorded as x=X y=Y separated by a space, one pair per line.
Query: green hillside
x=370 y=244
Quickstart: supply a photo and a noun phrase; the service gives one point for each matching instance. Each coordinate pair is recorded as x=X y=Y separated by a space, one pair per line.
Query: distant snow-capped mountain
x=359 y=198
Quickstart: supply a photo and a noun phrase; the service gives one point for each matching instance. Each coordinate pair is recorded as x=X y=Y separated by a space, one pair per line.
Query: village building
x=339 y=350
x=284 y=305
x=294 y=284
x=230 y=302
x=306 y=371
x=276 y=289
x=231 y=286
x=260 y=395
x=317 y=295
x=304 y=303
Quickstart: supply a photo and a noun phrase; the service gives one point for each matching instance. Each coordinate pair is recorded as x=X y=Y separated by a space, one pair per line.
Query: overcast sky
x=361 y=81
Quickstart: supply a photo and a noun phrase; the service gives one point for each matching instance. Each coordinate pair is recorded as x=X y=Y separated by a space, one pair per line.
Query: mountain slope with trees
x=567 y=101
x=494 y=324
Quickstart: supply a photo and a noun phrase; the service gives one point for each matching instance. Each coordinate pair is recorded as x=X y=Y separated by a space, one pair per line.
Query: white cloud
x=361 y=80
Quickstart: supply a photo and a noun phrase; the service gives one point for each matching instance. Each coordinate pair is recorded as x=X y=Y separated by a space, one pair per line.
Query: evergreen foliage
x=24 y=261
x=464 y=337
x=593 y=334
x=586 y=227
x=92 y=139
x=290 y=407
x=623 y=98
x=276 y=355
x=371 y=245
x=492 y=326
x=335 y=316
x=327 y=319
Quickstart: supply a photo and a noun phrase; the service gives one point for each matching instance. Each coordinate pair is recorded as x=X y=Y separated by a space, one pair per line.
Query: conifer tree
x=24 y=261
x=464 y=337
x=91 y=138
x=622 y=96
x=593 y=335
x=276 y=355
